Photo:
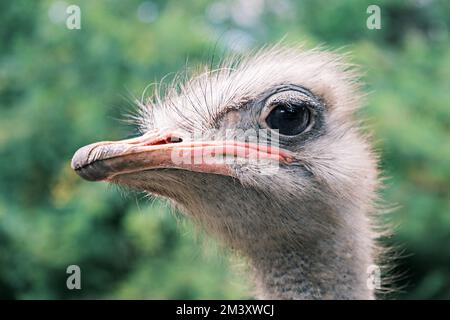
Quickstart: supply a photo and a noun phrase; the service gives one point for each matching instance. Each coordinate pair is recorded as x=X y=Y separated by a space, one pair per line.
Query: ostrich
x=301 y=209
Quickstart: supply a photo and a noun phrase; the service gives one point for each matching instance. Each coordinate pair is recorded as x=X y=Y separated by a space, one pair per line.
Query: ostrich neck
x=299 y=249
x=298 y=275
x=333 y=267
x=310 y=253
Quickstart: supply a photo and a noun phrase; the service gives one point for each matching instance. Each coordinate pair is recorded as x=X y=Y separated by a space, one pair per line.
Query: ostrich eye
x=289 y=119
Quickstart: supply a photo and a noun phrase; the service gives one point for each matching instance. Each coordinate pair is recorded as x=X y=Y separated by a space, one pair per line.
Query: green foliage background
x=61 y=89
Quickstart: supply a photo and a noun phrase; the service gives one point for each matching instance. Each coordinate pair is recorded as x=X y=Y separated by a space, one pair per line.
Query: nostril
x=163 y=140
x=174 y=139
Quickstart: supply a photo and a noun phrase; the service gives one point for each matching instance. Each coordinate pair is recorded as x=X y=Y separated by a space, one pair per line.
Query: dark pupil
x=289 y=119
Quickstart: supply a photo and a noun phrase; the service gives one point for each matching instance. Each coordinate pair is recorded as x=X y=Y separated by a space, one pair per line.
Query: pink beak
x=156 y=150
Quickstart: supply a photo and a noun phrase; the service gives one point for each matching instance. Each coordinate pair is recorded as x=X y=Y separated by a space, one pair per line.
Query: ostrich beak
x=156 y=150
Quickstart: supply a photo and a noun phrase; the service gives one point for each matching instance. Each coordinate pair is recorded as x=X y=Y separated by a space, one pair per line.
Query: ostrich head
x=297 y=205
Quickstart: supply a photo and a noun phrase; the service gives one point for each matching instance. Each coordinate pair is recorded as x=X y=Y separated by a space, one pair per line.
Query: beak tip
x=80 y=157
x=81 y=164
